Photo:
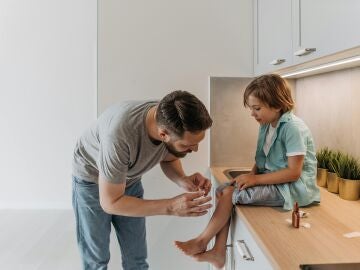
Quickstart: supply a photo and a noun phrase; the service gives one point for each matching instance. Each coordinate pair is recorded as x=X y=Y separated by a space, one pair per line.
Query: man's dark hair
x=181 y=111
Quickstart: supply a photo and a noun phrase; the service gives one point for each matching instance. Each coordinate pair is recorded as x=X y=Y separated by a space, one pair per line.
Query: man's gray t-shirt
x=117 y=146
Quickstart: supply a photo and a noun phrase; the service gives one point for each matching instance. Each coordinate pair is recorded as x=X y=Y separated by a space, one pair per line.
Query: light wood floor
x=43 y=240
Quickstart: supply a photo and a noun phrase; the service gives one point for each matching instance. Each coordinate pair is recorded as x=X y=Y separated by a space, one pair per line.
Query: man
x=126 y=141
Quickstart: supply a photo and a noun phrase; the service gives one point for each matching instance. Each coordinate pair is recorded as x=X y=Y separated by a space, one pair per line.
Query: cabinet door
x=273 y=35
x=329 y=26
x=239 y=231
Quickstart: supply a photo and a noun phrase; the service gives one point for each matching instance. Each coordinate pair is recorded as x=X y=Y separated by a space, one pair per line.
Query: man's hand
x=245 y=180
x=195 y=182
x=189 y=204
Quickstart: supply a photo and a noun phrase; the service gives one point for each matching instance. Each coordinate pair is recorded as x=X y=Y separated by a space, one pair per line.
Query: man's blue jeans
x=93 y=228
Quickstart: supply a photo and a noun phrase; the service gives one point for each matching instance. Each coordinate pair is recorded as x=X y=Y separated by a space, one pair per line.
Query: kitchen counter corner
x=287 y=247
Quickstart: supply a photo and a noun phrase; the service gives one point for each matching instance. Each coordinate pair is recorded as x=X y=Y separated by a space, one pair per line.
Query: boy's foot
x=191 y=247
x=215 y=257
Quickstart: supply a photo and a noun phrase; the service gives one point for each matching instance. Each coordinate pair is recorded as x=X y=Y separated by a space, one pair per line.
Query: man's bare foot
x=215 y=257
x=191 y=247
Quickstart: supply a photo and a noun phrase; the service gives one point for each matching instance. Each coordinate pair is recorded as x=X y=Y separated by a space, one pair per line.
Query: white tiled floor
x=42 y=240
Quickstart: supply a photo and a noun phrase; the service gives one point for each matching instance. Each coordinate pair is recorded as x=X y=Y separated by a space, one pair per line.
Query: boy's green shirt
x=292 y=137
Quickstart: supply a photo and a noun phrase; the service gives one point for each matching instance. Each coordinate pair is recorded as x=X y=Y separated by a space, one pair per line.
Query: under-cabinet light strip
x=332 y=64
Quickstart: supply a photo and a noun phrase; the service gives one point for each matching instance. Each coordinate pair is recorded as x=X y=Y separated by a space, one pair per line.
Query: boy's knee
x=224 y=190
x=228 y=191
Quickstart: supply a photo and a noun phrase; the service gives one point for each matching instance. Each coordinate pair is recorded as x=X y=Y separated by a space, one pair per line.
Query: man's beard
x=177 y=154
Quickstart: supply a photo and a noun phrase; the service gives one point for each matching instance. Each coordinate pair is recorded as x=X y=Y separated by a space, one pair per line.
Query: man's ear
x=164 y=135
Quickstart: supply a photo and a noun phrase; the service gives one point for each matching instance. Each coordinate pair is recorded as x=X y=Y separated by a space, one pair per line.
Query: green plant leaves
x=344 y=165
x=323 y=156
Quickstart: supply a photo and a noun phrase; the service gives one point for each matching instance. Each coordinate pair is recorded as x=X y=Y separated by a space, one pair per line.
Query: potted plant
x=322 y=157
x=332 y=179
x=349 y=172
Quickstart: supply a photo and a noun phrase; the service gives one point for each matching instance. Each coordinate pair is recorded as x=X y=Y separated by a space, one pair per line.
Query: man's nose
x=252 y=113
x=194 y=148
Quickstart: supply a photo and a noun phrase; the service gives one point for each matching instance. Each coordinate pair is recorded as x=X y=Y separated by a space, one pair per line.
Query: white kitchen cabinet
x=272 y=35
x=329 y=26
x=288 y=33
x=256 y=258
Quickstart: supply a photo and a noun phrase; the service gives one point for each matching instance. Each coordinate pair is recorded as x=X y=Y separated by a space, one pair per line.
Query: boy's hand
x=195 y=182
x=245 y=180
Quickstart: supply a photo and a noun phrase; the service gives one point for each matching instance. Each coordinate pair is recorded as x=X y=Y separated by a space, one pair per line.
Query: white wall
x=148 y=48
x=47 y=97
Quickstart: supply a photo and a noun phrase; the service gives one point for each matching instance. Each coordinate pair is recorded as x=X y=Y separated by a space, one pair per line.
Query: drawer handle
x=305 y=51
x=277 y=62
x=244 y=250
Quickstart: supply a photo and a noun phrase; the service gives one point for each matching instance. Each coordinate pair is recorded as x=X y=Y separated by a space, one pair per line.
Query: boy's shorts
x=265 y=195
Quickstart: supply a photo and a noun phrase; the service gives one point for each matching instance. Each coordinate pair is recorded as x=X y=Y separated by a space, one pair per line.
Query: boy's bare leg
x=217 y=255
x=219 y=220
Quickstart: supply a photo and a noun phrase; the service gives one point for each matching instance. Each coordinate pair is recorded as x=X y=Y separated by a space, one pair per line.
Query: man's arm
x=114 y=201
x=172 y=168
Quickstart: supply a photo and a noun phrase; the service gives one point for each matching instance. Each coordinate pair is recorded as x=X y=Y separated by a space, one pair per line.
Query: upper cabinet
x=273 y=35
x=292 y=32
x=323 y=27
